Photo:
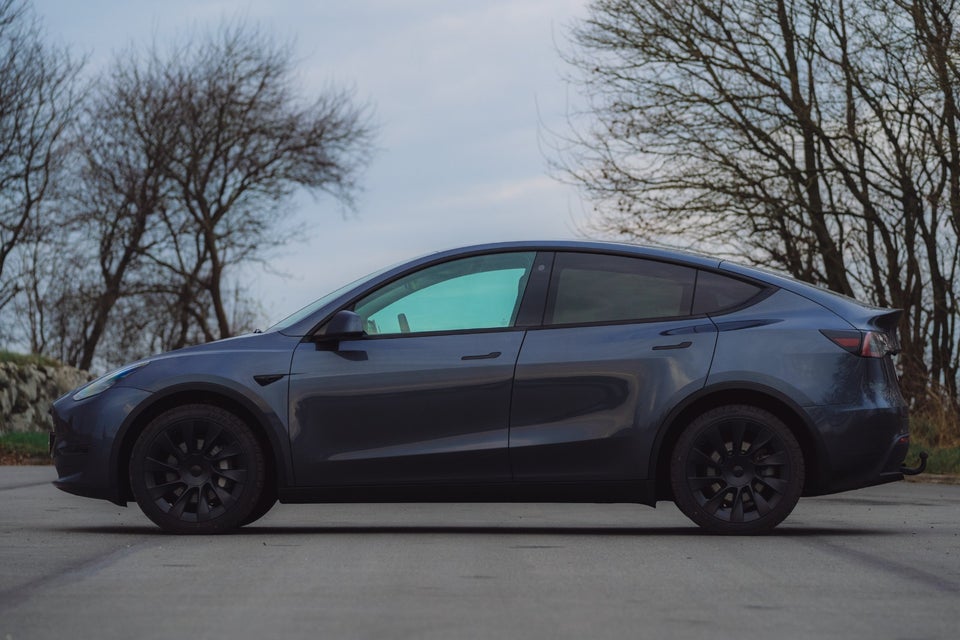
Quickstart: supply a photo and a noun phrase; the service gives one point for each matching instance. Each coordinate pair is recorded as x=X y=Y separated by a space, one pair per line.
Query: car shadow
x=468 y=530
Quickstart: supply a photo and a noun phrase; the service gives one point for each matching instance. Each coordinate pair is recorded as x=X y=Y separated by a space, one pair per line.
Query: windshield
x=318 y=304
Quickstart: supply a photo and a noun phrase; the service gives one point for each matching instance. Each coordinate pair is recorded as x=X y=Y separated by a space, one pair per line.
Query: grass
x=33 y=358
x=937 y=432
x=945 y=460
x=24 y=448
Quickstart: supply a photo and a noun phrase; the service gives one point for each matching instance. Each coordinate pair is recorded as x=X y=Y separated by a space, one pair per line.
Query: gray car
x=526 y=371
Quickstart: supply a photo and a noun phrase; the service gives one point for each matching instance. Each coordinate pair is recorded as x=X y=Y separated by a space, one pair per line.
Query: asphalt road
x=877 y=563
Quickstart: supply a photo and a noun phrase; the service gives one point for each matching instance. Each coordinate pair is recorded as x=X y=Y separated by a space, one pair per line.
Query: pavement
x=934 y=478
x=882 y=562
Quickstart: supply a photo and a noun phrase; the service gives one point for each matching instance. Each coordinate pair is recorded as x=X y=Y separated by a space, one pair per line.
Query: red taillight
x=868 y=344
x=850 y=344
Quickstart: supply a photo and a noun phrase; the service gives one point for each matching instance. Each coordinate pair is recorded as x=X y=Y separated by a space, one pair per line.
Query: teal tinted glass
x=482 y=292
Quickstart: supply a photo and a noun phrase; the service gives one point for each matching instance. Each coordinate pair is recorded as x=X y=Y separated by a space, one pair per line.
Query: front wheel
x=737 y=469
x=197 y=469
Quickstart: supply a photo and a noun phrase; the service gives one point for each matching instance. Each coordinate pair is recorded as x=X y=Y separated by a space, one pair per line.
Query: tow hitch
x=907 y=471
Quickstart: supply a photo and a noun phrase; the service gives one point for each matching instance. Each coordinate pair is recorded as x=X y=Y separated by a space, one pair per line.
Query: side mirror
x=344 y=324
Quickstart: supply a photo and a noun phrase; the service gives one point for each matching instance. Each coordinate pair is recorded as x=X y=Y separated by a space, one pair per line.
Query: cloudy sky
x=462 y=93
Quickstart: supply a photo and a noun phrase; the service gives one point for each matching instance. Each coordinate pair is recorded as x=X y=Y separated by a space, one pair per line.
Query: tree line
x=130 y=199
x=818 y=137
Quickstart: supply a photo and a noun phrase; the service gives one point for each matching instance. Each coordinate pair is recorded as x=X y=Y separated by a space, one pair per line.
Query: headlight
x=104 y=382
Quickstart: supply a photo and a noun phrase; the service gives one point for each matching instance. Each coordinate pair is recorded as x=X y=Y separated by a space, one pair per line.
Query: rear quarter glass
x=716 y=293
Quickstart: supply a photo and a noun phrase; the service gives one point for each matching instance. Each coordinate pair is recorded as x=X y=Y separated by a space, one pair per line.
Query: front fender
x=265 y=407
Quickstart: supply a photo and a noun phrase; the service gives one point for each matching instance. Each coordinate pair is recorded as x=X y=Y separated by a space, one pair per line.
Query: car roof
x=842 y=305
x=304 y=325
x=860 y=314
x=657 y=253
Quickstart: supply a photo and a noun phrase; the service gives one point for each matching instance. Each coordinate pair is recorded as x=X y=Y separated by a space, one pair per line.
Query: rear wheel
x=197 y=469
x=737 y=469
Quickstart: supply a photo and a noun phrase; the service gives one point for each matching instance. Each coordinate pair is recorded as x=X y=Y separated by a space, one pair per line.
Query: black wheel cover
x=197 y=469
x=737 y=469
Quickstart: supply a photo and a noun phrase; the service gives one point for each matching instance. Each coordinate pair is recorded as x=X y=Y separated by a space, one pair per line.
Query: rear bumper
x=861 y=448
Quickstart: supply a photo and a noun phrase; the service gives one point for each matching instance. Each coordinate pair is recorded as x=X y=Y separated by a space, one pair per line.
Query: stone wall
x=26 y=391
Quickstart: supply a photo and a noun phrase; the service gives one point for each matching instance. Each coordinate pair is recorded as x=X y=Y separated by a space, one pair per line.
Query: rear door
x=619 y=347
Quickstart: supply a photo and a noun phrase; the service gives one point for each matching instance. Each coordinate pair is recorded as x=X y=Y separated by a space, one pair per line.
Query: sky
x=463 y=94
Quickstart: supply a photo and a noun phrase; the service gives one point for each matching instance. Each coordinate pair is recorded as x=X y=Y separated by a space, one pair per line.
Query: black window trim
x=626 y=321
x=766 y=290
x=547 y=256
x=533 y=307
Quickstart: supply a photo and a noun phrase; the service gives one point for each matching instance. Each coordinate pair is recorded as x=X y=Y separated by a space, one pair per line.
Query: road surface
x=877 y=563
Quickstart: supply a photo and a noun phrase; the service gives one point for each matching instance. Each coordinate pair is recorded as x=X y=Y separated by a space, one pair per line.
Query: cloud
x=459 y=88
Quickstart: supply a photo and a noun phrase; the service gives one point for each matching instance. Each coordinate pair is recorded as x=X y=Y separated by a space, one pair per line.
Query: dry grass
x=936 y=423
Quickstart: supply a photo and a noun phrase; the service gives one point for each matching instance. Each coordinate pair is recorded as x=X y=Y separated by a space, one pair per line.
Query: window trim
x=766 y=290
x=533 y=308
x=317 y=333
x=555 y=281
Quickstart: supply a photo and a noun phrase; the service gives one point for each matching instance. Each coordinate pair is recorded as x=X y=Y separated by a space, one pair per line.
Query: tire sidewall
x=252 y=452
x=684 y=497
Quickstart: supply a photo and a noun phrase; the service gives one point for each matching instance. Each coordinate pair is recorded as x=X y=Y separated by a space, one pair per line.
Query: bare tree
x=245 y=141
x=37 y=99
x=812 y=136
x=184 y=164
x=120 y=192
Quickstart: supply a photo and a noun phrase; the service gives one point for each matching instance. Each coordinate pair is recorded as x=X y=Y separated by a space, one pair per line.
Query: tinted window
x=600 y=288
x=482 y=292
x=716 y=293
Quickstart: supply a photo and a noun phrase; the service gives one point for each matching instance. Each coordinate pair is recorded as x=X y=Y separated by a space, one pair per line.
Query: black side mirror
x=344 y=324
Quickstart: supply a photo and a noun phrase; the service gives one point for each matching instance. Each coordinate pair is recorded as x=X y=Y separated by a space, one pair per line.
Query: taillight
x=867 y=344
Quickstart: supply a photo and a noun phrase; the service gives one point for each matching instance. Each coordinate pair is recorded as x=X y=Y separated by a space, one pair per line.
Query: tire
x=737 y=470
x=197 y=469
x=268 y=498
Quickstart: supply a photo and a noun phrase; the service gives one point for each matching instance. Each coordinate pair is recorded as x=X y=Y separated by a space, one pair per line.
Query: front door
x=424 y=396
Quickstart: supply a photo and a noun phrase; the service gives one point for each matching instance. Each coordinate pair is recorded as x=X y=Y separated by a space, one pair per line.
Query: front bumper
x=84 y=443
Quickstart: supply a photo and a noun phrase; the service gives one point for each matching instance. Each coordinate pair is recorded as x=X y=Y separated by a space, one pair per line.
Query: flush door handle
x=679 y=345
x=485 y=356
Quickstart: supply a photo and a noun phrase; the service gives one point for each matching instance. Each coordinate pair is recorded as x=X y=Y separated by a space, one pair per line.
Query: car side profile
x=523 y=371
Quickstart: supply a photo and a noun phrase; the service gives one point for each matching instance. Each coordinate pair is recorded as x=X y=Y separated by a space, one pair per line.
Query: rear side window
x=716 y=293
x=589 y=288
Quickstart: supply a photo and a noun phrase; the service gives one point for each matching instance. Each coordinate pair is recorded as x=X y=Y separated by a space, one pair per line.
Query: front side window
x=481 y=292
x=589 y=288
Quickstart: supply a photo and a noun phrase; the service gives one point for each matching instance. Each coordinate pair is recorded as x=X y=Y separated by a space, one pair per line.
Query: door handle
x=679 y=345
x=487 y=356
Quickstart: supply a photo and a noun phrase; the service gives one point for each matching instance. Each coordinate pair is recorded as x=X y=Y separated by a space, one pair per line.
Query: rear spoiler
x=887 y=320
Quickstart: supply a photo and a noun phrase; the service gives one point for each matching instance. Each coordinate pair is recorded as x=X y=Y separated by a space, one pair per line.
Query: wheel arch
x=266 y=427
x=709 y=398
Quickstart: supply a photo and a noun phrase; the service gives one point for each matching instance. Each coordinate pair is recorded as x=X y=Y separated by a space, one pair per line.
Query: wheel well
x=180 y=399
x=724 y=397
